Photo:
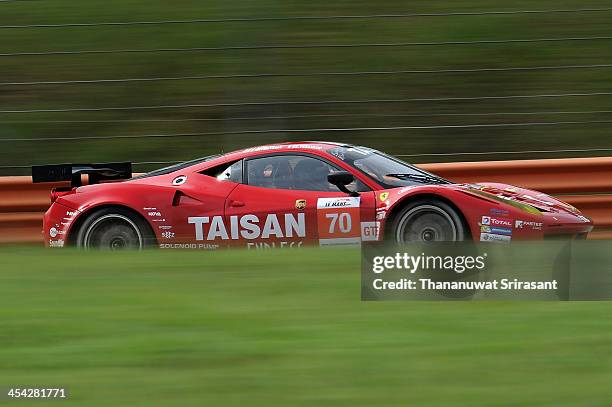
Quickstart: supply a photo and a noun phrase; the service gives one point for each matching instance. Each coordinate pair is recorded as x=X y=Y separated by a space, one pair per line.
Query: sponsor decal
x=300 y=204
x=53 y=232
x=342 y=202
x=280 y=147
x=383 y=196
x=165 y=227
x=56 y=243
x=381 y=211
x=205 y=246
x=370 y=231
x=69 y=215
x=520 y=224
x=499 y=212
x=501 y=231
x=496 y=230
x=154 y=213
x=491 y=237
x=249 y=227
x=273 y=245
x=491 y=221
x=167 y=235
x=338 y=220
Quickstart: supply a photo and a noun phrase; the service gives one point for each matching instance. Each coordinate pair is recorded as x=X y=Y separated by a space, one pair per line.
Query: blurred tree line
x=465 y=123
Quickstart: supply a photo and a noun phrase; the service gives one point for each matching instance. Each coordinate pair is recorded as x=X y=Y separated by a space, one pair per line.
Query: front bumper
x=566 y=226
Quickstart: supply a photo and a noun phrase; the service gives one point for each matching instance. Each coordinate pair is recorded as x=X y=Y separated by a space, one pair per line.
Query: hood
x=511 y=194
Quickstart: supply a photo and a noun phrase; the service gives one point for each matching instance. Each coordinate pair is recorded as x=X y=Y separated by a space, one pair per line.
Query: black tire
x=114 y=229
x=427 y=220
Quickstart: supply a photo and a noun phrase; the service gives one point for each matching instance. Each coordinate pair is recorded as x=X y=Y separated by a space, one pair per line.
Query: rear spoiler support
x=73 y=172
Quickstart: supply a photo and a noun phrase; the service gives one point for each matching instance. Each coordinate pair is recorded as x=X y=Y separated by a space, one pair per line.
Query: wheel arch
x=397 y=208
x=78 y=223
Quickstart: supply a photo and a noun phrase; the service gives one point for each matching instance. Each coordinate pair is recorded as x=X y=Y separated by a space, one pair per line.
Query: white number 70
x=342 y=219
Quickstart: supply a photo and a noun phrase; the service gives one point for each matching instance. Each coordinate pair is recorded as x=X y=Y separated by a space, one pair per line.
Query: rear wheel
x=114 y=229
x=428 y=221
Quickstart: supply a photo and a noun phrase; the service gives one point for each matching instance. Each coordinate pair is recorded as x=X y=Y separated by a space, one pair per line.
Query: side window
x=226 y=172
x=310 y=174
x=290 y=172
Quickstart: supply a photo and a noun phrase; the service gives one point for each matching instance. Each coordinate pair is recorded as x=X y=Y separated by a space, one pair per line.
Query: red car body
x=188 y=208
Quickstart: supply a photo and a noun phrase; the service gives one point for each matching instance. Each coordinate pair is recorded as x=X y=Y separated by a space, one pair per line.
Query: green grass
x=281 y=328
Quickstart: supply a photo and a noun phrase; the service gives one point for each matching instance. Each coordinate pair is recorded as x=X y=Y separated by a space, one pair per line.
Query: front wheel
x=428 y=221
x=113 y=229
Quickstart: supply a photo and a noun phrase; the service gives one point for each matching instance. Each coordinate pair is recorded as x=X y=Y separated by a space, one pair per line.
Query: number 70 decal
x=338 y=220
x=342 y=220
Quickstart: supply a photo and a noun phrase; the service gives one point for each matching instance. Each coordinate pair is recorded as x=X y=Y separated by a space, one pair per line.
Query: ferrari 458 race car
x=289 y=195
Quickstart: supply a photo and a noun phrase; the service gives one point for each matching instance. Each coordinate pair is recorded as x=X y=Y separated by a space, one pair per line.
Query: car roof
x=298 y=146
x=212 y=161
x=290 y=146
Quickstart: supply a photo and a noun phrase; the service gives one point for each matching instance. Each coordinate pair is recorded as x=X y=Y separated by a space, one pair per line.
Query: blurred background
x=158 y=82
x=162 y=81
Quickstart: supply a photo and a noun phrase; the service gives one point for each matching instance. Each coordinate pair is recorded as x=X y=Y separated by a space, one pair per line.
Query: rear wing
x=73 y=172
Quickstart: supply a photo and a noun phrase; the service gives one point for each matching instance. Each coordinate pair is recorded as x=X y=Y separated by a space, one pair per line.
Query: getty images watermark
x=533 y=271
x=455 y=264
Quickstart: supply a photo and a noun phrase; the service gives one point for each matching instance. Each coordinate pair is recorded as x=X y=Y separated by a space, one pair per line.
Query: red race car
x=289 y=195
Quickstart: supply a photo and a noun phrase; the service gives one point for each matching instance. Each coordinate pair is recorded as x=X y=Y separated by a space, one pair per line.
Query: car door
x=286 y=201
x=198 y=207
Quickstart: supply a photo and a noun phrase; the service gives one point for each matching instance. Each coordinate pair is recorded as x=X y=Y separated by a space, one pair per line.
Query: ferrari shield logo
x=300 y=204
x=384 y=196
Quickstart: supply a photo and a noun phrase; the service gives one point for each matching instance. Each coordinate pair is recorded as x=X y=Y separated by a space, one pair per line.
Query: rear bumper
x=56 y=224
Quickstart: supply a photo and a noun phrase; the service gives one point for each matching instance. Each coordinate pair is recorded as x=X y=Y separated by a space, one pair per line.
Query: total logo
x=489 y=221
x=520 y=224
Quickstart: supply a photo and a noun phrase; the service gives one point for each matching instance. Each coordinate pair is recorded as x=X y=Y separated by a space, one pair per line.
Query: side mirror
x=341 y=179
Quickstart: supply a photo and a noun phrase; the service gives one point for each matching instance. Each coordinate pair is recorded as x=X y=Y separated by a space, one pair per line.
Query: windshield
x=385 y=170
x=176 y=167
